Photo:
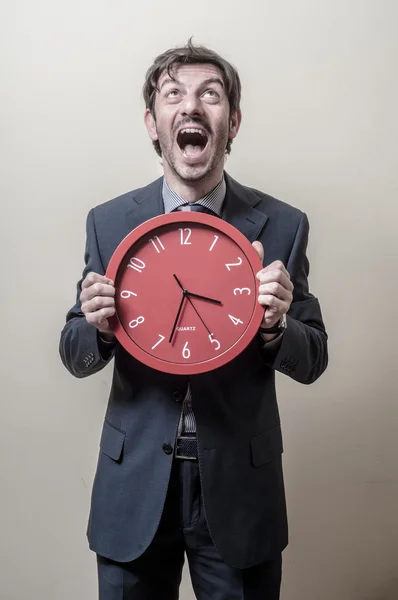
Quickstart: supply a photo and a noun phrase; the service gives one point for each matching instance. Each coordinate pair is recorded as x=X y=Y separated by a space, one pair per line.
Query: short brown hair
x=191 y=54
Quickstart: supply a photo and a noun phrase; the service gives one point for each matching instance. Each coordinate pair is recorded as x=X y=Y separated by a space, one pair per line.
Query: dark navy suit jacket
x=238 y=424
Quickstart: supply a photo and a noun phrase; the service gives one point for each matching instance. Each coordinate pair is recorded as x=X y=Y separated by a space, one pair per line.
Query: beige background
x=320 y=130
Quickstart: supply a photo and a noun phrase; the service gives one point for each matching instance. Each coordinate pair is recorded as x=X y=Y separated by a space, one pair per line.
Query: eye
x=211 y=94
x=172 y=94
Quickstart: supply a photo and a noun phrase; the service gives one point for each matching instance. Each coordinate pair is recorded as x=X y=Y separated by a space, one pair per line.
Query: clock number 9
x=213 y=341
x=136 y=322
x=127 y=294
x=186 y=352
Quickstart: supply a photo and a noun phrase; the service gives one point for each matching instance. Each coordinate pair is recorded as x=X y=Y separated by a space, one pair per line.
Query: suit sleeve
x=81 y=348
x=302 y=353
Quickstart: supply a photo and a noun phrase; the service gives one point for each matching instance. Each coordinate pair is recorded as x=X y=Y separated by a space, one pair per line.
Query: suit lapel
x=239 y=209
x=146 y=204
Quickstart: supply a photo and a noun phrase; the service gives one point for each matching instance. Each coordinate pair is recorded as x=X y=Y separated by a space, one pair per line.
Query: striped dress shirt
x=214 y=201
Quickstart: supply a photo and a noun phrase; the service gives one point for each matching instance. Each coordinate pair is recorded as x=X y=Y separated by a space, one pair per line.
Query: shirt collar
x=214 y=200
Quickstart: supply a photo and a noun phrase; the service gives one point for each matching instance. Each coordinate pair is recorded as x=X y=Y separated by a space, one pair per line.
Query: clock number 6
x=213 y=341
x=136 y=322
x=186 y=351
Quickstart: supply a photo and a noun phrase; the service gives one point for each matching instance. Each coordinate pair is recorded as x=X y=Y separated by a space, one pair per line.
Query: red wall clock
x=186 y=292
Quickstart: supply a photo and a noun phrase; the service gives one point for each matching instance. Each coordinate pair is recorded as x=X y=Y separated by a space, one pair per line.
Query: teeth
x=200 y=131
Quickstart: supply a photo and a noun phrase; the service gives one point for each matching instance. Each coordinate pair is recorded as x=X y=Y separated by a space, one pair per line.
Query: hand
x=98 y=302
x=275 y=291
x=178 y=315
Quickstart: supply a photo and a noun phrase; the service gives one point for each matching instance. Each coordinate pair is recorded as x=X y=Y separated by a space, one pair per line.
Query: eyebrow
x=213 y=80
x=204 y=83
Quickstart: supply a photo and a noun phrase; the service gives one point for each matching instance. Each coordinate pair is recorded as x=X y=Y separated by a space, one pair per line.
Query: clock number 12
x=184 y=242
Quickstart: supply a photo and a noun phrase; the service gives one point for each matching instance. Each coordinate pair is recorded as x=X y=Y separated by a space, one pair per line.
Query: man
x=221 y=499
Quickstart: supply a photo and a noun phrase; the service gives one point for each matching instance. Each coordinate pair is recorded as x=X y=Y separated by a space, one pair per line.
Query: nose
x=192 y=106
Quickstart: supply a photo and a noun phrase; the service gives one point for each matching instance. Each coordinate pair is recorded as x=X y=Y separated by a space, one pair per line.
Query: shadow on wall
x=390 y=592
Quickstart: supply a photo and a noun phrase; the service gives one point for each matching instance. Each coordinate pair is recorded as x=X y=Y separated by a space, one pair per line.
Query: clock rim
x=212 y=363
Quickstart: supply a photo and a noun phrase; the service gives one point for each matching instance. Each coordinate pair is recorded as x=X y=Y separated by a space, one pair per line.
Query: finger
x=97 y=303
x=97 y=289
x=277 y=277
x=277 y=290
x=273 y=304
x=92 y=278
x=277 y=265
x=98 y=317
x=259 y=249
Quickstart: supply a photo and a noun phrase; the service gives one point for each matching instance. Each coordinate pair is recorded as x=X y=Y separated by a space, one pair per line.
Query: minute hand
x=203 y=298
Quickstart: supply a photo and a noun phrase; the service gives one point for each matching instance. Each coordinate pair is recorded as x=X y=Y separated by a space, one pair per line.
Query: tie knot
x=196 y=208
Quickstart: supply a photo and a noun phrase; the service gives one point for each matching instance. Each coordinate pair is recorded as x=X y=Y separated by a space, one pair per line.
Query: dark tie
x=196 y=208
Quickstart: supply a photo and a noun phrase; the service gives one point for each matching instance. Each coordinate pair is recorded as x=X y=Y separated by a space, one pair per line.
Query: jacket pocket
x=266 y=446
x=112 y=441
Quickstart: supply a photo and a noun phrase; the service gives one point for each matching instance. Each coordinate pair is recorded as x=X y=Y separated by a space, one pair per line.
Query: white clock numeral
x=137 y=264
x=127 y=294
x=241 y=290
x=159 y=242
x=157 y=343
x=185 y=242
x=234 y=320
x=213 y=341
x=136 y=322
x=186 y=351
x=213 y=244
x=234 y=264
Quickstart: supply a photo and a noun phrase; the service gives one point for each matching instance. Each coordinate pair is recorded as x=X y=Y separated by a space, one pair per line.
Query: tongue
x=192 y=151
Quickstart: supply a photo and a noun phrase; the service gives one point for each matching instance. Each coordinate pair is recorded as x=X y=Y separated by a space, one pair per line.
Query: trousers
x=183 y=532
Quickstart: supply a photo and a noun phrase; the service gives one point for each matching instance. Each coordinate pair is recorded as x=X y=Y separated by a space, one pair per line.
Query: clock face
x=186 y=292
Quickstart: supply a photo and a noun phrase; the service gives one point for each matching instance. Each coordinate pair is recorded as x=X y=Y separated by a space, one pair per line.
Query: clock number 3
x=185 y=242
x=213 y=341
x=241 y=290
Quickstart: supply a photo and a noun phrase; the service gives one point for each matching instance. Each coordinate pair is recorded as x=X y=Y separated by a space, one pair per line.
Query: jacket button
x=177 y=395
x=167 y=449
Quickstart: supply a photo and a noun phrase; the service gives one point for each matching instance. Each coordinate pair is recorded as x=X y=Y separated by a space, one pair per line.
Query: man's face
x=192 y=120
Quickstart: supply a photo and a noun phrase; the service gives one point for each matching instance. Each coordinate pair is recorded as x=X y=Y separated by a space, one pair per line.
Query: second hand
x=193 y=306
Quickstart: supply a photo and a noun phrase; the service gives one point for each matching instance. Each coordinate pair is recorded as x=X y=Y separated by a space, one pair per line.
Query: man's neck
x=195 y=190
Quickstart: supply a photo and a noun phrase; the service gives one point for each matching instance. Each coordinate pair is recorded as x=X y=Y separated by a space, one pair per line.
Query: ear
x=234 y=123
x=150 y=124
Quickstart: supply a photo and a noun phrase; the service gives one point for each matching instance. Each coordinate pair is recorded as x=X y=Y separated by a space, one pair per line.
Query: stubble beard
x=194 y=173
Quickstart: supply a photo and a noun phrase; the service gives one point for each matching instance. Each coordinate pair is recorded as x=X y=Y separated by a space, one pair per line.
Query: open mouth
x=192 y=141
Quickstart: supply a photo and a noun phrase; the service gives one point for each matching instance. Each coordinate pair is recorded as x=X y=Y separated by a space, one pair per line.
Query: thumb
x=259 y=249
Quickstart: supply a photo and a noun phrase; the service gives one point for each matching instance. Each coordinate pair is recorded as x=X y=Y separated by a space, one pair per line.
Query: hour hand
x=179 y=282
x=204 y=298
